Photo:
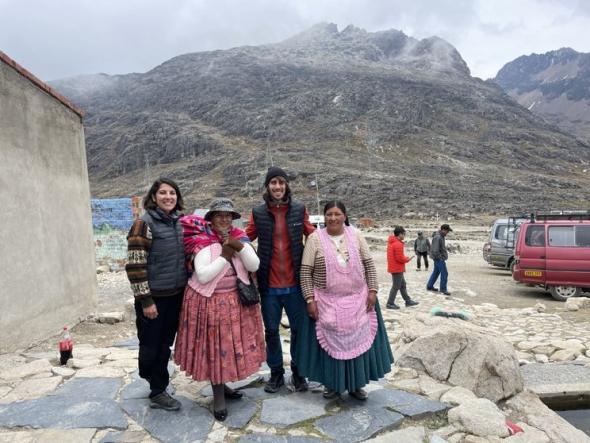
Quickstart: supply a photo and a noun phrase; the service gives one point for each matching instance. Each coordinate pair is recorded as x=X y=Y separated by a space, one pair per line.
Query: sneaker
x=417 y=269
x=164 y=401
x=391 y=306
x=274 y=383
x=411 y=303
x=433 y=289
x=329 y=394
x=447 y=293
x=359 y=394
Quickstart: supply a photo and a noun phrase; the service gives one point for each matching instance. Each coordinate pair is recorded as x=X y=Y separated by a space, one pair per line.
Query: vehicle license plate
x=533 y=273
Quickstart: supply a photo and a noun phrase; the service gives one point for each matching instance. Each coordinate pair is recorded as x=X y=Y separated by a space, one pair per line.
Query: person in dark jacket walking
x=396 y=266
x=439 y=254
x=421 y=249
x=280 y=224
x=158 y=277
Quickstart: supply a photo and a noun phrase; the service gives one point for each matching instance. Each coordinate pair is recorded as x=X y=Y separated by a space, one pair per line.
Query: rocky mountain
x=385 y=122
x=554 y=85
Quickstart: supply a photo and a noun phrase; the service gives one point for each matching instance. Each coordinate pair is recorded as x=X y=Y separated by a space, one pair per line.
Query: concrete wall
x=47 y=267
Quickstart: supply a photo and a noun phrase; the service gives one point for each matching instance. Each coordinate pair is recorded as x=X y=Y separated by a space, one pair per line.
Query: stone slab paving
x=130 y=343
x=263 y=438
x=358 y=424
x=89 y=388
x=239 y=412
x=556 y=379
x=191 y=423
x=79 y=403
x=406 y=403
x=59 y=411
x=287 y=410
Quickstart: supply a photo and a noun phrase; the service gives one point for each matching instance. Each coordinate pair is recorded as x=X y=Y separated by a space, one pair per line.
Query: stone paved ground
x=101 y=399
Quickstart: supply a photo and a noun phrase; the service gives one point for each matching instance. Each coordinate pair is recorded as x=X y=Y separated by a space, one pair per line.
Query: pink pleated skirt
x=219 y=339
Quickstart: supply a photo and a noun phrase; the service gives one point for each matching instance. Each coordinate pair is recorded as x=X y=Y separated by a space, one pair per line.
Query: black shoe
x=433 y=289
x=220 y=415
x=411 y=303
x=299 y=382
x=164 y=401
x=447 y=293
x=391 y=306
x=274 y=383
x=232 y=394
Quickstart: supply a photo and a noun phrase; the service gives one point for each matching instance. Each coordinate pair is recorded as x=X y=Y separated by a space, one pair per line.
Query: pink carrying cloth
x=344 y=329
x=207 y=289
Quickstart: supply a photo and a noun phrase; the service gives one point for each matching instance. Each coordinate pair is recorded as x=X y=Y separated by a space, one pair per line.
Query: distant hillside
x=390 y=124
x=554 y=85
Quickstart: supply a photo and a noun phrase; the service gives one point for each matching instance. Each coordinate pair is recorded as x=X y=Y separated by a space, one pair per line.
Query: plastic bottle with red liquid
x=66 y=345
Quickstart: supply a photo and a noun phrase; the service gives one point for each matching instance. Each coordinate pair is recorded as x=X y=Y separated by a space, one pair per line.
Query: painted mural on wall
x=111 y=220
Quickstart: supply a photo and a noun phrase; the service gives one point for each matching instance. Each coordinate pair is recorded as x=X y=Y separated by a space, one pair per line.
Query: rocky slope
x=389 y=124
x=554 y=85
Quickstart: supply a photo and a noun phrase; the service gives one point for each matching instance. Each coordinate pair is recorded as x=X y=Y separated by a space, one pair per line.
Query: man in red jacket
x=396 y=266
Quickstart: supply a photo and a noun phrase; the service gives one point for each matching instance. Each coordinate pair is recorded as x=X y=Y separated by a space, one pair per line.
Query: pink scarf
x=344 y=329
x=198 y=235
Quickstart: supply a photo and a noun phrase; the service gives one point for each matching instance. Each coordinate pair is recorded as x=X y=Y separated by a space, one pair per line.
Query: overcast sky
x=63 y=38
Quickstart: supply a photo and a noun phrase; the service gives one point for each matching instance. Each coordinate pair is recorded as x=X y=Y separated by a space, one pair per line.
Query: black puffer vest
x=265 y=223
x=166 y=270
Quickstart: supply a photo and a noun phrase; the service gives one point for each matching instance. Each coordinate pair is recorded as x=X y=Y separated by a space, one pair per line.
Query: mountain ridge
x=380 y=117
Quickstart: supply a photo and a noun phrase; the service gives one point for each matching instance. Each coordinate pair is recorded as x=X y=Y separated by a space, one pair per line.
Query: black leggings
x=420 y=255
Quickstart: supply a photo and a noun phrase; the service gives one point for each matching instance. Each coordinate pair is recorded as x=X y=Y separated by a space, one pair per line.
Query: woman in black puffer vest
x=158 y=276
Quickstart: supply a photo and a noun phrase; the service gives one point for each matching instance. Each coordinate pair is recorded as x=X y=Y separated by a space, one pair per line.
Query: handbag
x=248 y=292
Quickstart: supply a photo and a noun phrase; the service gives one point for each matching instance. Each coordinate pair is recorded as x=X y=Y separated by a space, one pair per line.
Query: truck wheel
x=562 y=293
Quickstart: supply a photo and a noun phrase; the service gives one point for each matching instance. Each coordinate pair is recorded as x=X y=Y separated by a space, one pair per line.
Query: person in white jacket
x=219 y=339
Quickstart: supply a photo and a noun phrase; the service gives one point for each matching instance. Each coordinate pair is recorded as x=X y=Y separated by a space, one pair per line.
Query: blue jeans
x=272 y=309
x=440 y=268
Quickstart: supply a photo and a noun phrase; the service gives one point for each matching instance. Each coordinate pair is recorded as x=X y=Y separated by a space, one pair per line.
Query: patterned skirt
x=342 y=375
x=219 y=339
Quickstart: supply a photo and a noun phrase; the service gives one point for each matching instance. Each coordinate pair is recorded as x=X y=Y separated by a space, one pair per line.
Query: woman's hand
x=227 y=251
x=312 y=310
x=151 y=311
x=371 y=300
x=234 y=243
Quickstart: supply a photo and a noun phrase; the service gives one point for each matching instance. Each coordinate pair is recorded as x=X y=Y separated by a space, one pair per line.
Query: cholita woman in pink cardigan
x=219 y=339
x=343 y=343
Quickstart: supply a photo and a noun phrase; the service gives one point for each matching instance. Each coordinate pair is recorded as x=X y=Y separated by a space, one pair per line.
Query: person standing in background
x=439 y=254
x=421 y=249
x=396 y=266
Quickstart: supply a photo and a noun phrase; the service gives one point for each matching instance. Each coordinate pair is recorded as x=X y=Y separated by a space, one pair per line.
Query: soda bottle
x=65 y=346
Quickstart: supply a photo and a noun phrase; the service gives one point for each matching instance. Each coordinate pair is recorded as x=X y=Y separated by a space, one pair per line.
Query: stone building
x=47 y=266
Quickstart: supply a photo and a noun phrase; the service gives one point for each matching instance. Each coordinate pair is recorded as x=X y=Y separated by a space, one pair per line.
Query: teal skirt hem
x=342 y=375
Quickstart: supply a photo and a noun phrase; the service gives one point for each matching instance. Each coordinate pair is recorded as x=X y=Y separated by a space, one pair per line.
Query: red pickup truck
x=553 y=251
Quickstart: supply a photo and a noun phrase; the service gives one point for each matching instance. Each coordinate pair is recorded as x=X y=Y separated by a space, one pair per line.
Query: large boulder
x=462 y=354
x=479 y=417
x=527 y=407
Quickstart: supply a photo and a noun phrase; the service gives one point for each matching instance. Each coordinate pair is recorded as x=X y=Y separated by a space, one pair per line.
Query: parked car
x=553 y=251
x=499 y=249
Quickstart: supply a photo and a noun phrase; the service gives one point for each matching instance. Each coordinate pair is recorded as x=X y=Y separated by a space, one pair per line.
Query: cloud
x=68 y=37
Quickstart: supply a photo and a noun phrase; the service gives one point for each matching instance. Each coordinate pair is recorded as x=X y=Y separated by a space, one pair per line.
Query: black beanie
x=274 y=171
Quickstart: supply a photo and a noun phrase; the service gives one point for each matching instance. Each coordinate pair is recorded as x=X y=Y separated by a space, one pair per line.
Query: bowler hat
x=222 y=205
